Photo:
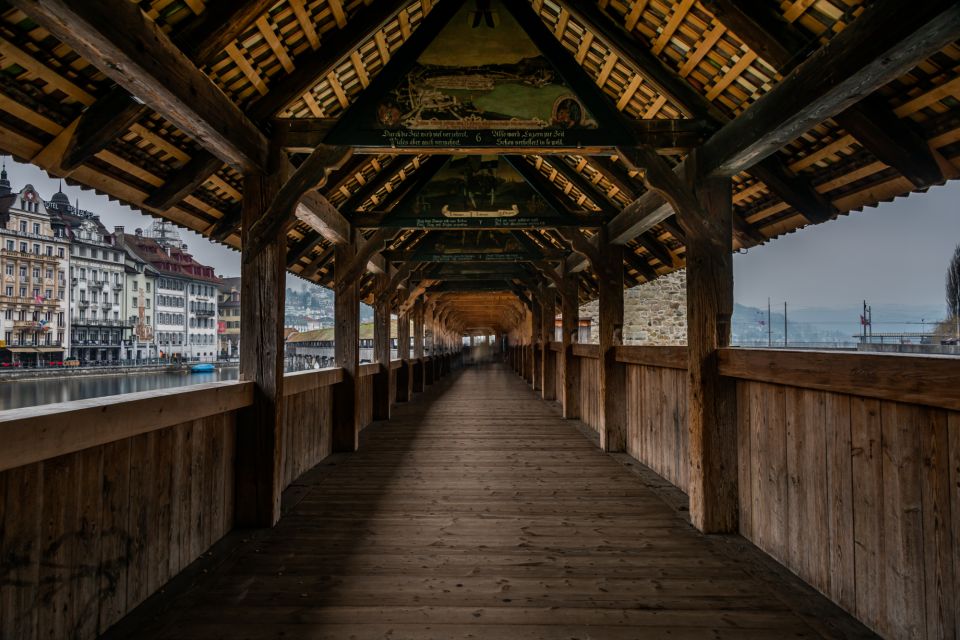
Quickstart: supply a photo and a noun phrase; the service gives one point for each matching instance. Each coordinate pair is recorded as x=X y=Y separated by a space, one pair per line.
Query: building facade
x=185 y=297
x=34 y=262
x=228 y=310
x=97 y=282
x=139 y=303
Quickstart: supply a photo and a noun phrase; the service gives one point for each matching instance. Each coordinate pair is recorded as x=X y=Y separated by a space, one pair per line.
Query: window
x=49 y=274
x=10 y=245
x=36 y=228
x=36 y=273
x=36 y=249
x=148 y=287
x=23 y=226
x=49 y=250
x=23 y=271
x=48 y=294
x=9 y=269
x=9 y=291
x=60 y=252
x=8 y=314
x=23 y=247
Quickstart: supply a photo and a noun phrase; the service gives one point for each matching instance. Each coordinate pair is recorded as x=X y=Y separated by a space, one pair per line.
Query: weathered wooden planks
x=657 y=432
x=88 y=535
x=854 y=495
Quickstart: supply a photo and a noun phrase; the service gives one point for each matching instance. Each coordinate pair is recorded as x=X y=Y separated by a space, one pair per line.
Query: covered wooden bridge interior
x=479 y=168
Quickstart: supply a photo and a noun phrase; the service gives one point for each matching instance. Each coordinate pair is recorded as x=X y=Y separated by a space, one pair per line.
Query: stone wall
x=654 y=313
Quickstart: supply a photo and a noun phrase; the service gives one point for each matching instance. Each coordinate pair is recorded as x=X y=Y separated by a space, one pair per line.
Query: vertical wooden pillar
x=418 y=346
x=403 y=353
x=569 y=365
x=382 y=393
x=259 y=461
x=429 y=346
x=613 y=376
x=346 y=348
x=536 y=341
x=548 y=370
x=711 y=398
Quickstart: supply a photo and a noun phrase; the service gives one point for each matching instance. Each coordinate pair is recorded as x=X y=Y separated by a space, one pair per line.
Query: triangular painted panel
x=480 y=83
x=476 y=192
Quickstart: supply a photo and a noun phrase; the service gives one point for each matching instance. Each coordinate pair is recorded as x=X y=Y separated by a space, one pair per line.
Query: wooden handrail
x=665 y=357
x=39 y=433
x=396 y=364
x=369 y=369
x=556 y=346
x=928 y=380
x=294 y=383
x=587 y=351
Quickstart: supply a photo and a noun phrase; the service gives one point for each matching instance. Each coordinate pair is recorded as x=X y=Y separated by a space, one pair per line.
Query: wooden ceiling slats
x=721 y=64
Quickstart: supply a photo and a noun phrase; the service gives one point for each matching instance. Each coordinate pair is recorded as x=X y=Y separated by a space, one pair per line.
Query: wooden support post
x=418 y=365
x=535 y=342
x=570 y=366
x=346 y=347
x=711 y=398
x=403 y=353
x=548 y=369
x=259 y=461
x=613 y=376
x=382 y=393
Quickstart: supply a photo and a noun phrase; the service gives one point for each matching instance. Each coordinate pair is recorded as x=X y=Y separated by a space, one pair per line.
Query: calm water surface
x=15 y=394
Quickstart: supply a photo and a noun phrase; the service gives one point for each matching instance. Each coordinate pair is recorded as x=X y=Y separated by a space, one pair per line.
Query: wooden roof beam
x=892 y=140
x=794 y=190
x=581 y=184
x=764 y=30
x=650 y=67
x=283 y=207
x=870 y=121
x=312 y=66
x=218 y=25
x=132 y=50
x=886 y=41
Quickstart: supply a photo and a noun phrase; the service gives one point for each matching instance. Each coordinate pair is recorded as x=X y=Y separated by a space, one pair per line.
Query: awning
x=21 y=349
x=50 y=349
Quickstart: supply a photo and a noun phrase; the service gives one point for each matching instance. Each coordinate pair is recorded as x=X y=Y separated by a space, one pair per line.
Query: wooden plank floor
x=477 y=513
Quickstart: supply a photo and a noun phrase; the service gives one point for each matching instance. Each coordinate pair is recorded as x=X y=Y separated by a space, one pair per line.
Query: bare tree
x=953 y=284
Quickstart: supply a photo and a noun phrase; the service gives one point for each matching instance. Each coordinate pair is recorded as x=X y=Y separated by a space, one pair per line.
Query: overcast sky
x=895 y=253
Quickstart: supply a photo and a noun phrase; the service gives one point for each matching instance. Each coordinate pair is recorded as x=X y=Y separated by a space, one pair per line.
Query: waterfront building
x=97 y=276
x=34 y=260
x=228 y=313
x=185 y=296
x=139 y=304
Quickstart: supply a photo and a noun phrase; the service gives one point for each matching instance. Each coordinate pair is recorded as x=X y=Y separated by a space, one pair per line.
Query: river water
x=15 y=394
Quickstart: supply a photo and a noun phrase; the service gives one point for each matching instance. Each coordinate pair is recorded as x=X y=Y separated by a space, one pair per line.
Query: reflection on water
x=15 y=394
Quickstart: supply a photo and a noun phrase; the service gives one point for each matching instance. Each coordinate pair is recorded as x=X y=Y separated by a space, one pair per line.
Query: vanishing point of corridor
x=477 y=513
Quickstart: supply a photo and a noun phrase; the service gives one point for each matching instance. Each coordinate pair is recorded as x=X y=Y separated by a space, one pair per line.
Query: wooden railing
x=107 y=499
x=848 y=468
x=307 y=420
x=102 y=501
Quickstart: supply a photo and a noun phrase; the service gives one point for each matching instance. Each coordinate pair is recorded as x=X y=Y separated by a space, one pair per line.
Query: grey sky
x=895 y=253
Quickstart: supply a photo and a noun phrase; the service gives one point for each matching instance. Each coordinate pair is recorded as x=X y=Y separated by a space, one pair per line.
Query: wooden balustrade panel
x=365 y=398
x=307 y=431
x=590 y=392
x=89 y=535
x=657 y=433
x=860 y=498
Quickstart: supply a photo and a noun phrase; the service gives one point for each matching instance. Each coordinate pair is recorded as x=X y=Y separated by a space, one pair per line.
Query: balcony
x=205 y=313
x=98 y=322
